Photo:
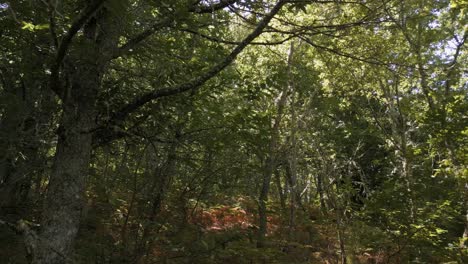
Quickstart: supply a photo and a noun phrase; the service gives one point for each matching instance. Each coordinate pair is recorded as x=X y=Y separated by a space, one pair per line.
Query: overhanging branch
x=204 y=9
x=230 y=42
x=200 y=80
x=166 y=22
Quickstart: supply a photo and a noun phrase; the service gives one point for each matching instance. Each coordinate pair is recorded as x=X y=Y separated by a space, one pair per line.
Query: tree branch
x=230 y=42
x=52 y=22
x=347 y=55
x=204 y=9
x=66 y=41
x=166 y=22
x=200 y=80
x=132 y=43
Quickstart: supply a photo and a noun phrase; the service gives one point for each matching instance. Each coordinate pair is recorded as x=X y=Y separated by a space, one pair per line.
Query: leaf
x=31 y=27
x=440 y=231
x=28 y=26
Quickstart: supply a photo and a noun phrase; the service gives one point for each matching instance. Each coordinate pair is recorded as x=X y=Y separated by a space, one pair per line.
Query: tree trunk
x=270 y=164
x=281 y=193
x=294 y=196
x=292 y=155
x=161 y=184
x=67 y=184
x=341 y=239
x=319 y=179
x=464 y=239
x=262 y=214
x=400 y=136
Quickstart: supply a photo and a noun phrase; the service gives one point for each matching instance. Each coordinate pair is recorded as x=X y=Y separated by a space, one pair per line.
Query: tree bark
x=66 y=188
x=67 y=184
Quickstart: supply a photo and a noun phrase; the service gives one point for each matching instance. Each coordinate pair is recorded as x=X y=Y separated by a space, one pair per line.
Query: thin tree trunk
x=400 y=137
x=294 y=195
x=319 y=179
x=341 y=238
x=161 y=185
x=464 y=239
x=292 y=158
x=131 y=206
x=280 y=191
x=270 y=165
x=262 y=214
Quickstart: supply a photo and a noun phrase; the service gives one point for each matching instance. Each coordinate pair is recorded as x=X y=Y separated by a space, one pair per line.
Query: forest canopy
x=233 y=131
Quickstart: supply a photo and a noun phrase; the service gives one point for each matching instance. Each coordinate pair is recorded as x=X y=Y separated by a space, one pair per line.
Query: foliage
x=368 y=147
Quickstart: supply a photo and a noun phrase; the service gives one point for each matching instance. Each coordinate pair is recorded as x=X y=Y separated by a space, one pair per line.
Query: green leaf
x=31 y=27
x=440 y=231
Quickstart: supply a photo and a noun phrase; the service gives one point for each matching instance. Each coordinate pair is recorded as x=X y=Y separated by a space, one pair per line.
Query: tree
x=151 y=130
x=81 y=58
